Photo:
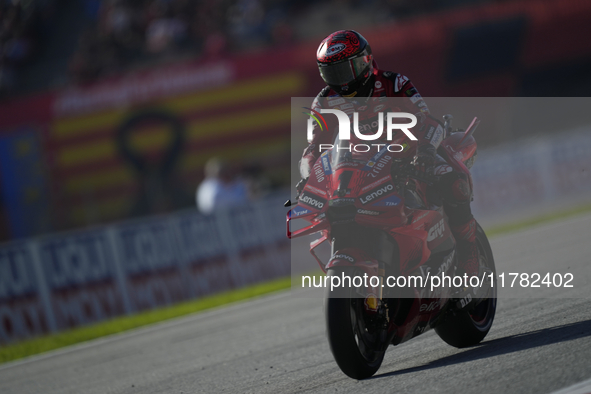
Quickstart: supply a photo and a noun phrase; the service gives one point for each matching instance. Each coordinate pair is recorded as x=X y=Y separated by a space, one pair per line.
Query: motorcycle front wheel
x=469 y=327
x=356 y=343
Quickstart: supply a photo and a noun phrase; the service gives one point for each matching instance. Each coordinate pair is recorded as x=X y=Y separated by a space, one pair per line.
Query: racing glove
x=424 y=161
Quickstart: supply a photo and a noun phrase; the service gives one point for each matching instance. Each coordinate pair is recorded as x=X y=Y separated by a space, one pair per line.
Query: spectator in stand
x=165 y=32
x=122 y=23
x=220 y=189
x=18 y=36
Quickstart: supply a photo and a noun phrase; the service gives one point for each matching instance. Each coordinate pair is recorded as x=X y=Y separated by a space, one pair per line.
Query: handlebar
x=410 y=171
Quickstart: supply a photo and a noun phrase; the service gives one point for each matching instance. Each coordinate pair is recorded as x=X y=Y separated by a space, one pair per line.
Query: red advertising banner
x=136 y=144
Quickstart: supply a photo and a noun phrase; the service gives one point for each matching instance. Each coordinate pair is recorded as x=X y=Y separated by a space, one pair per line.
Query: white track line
x=579 y=388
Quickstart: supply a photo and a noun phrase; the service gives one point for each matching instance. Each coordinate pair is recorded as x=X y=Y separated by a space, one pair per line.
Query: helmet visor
x=344 y=72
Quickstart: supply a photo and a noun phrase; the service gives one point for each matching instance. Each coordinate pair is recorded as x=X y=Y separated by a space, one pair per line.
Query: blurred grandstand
x=96 y=38
x=112 y=107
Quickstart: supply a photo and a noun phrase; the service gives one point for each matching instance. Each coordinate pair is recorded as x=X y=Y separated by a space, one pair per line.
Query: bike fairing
x=414 y=246
x=332 y=201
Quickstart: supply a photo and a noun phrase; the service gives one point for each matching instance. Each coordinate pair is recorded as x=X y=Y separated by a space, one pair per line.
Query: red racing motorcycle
x=388 y=243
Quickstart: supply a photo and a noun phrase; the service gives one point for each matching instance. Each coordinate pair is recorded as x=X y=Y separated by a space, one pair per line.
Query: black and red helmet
x=345 y=61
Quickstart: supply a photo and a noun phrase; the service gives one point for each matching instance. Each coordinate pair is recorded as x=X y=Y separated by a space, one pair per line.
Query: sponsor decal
x=436 y=231
x=346 y=106
x=315 y=190
x=376 y=194
x=336 y=102
x=334 y=49
x=430 y=133
x=415 y=98
x=411 y=92
x=401 y=80
x=341 y=201
x=420 y=217
x=376 y=183
x=367 y=212
x=421 y=329
x=362 y=108
x=347 y=164
x=391 y=201
x=299 y=211
x=343 y=257
x=312 y=200
x=429 y=307
x=422 y=104
x=374 y=159
x=378 y=107
x=378 y=84
x=326 y=163
x=437 y=137
x=443 y=169
x=447 y=261
x=376 y=166
x=318 y=172
x=466 y=300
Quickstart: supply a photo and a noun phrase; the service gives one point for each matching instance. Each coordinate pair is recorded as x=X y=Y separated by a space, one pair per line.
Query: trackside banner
x=63 y=281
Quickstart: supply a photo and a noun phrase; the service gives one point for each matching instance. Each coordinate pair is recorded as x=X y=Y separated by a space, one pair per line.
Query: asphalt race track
x=276 y=344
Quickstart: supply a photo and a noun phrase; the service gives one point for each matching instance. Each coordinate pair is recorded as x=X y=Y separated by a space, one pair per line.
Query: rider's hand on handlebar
x=424 y=161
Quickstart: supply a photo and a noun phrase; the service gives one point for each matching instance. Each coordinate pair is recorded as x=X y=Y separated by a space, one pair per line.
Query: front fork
x=357 y=257
x=371 y=269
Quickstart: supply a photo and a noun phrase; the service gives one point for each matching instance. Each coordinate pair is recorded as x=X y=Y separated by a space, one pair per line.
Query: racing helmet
x=345 y=62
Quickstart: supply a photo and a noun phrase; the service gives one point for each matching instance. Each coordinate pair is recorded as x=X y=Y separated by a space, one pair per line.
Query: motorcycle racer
x=346 y=64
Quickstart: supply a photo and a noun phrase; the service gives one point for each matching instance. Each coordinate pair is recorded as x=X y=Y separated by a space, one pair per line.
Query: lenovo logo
x=311 y=201
x=376 y=193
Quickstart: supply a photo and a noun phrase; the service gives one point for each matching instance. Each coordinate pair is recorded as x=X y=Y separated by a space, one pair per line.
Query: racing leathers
x=452 y=186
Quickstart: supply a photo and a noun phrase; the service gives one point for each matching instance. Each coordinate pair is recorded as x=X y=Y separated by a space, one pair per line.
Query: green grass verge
x=54 y=341
x=543 y=219
x=50 y=342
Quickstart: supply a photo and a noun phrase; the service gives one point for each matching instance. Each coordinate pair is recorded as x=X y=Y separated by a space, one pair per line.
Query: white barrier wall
x=67 y=280
x=532 y=171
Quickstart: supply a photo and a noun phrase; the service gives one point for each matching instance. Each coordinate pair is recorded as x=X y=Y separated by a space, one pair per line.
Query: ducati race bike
x=373 y=210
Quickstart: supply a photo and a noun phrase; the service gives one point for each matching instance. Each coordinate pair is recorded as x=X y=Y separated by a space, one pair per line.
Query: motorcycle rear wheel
x=355 y=345
x=470 y=327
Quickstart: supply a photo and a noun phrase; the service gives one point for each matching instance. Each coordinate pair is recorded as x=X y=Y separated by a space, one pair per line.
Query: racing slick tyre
x=357 y=345
x=469 y=327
